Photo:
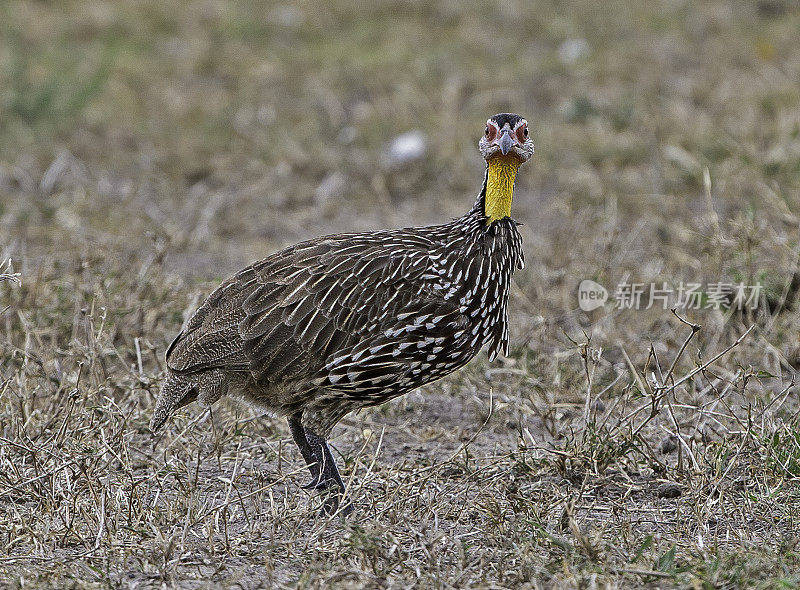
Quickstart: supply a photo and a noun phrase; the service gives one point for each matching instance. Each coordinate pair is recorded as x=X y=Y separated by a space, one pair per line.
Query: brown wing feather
x=309 y=310
x=333 y=299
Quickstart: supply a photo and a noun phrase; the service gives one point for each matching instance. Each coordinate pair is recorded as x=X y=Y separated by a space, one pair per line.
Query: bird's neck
x=500 y=175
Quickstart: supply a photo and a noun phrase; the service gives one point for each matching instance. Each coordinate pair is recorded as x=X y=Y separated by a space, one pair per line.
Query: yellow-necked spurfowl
x=342 y=322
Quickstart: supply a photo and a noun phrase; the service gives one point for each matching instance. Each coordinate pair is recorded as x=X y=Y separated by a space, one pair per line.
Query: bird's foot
x=317 y=483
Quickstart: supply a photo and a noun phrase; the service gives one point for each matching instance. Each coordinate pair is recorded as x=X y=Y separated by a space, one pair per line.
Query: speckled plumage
x=341 y=322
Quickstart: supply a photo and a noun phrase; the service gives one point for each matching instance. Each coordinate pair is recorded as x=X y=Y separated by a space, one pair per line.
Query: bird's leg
x=299 y=436
x=329 y=475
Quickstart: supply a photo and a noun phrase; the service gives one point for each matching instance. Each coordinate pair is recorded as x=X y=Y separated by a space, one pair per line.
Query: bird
x=342 y=322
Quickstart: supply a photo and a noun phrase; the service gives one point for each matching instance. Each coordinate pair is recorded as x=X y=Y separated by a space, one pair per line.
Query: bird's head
x=506 y=136
x=505 y=146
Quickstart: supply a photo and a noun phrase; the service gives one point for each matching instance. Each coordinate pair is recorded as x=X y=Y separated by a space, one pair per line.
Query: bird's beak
x=506 y=142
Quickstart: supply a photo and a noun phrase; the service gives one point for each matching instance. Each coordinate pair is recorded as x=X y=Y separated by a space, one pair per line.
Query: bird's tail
x=176 y=392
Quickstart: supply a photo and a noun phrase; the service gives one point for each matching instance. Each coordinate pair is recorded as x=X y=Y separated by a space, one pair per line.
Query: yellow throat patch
x=500 y=186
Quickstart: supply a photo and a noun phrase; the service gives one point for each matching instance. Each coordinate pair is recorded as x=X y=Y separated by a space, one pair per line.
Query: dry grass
x=149 y=149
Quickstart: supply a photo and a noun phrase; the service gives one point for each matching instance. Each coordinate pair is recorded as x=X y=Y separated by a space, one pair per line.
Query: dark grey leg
x=329 y=476
x=299 y=436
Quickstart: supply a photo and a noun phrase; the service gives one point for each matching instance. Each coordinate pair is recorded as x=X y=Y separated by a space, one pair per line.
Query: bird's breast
x=477 y=274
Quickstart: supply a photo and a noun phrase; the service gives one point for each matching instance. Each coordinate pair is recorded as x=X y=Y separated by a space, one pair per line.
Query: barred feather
x=341 y=322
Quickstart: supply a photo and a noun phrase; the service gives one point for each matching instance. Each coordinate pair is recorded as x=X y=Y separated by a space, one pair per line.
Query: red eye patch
x=522 y=133
x=491 y=131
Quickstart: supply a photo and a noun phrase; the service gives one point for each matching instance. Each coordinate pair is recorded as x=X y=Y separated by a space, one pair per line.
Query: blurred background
x=230 y=128
x=149 y=149
x=213 y=133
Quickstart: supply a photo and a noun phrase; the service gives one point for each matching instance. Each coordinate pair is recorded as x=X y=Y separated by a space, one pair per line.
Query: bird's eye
x=526 y=132
x=486 y=133
x=522 y=133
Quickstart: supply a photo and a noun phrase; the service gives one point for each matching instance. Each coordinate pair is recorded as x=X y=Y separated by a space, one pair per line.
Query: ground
x=150 y=149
